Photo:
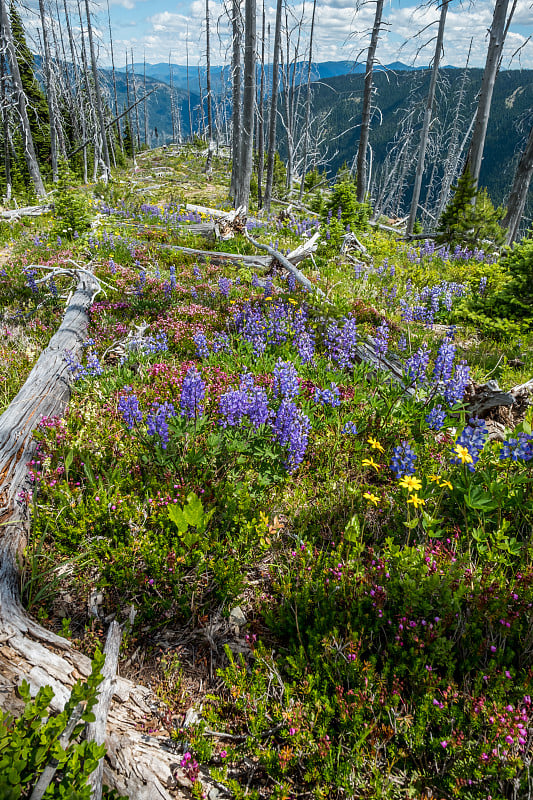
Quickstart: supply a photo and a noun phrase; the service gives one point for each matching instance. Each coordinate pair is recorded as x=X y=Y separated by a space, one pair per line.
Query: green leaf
x=178 y=518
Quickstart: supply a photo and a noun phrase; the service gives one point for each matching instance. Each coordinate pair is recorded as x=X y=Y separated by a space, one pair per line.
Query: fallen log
x=27 y=211
x=135 y=765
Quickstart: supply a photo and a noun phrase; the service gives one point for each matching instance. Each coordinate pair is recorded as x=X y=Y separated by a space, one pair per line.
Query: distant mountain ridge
x=220 y=75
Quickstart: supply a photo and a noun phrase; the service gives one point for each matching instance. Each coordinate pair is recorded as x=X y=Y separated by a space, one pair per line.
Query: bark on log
x=26 y=211
x=135 y=765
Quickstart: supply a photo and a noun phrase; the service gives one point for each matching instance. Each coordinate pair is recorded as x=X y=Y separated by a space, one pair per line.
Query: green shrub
x=352 y=213
x=470 y=219
x=71 y=214
x=28 y=744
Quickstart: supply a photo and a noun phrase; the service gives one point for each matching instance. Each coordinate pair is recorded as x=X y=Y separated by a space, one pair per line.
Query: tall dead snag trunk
x=6 y=38
x=427 y=120
x=50 y=91
x=261 y=118
x=273 y=110
x=208 y=167
x=98 y=95
x=136 y=765
x=308 y=104
x=235 y=96
x=367 y=104
x=242 y=194
x=498 y=31
x=519 y=190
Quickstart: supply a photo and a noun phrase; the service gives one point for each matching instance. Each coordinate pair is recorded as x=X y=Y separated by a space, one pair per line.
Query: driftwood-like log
x=96 y=730
x=135 y=765
x=26 y=211
x=286 y=263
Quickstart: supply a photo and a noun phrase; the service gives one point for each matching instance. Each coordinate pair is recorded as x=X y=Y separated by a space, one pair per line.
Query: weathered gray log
x=26 y=211
x=50 y=770
x=481 y=399
x=136 y=765
x=286 y=264
x=96 y=730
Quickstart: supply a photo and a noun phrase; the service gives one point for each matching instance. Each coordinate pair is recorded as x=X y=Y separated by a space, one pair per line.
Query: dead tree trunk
x=261 y=118
x=367 y=105
x=498 y=31
x=22 y=107
x=427 y=120
x=50 y=91
x=308 y=104
x=242 y=193
x=519 y=190
x=273 y=110
x=98 y=94
x=136 y=764
x=236 y=98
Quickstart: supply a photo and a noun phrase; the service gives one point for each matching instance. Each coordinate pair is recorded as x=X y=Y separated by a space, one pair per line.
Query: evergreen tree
x=37 y=105
x=470 y=220
x=127 y=137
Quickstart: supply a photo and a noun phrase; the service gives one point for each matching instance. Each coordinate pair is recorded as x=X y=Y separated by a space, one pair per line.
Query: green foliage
x=344 y=206
x=470 y=220
x=515 y=300
x=71 y=208
x=30 y=742
x=37 y=105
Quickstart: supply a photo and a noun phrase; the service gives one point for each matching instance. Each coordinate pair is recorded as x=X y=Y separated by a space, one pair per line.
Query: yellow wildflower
x=434 y=478
x=416 y=500
x=463 y=454
x=444 y=483
x=372 y=497
x=369 y=462
x=375 y=445
x=410 y=483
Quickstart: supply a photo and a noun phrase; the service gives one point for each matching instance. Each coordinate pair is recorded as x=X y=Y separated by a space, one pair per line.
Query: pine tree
x=470 y=219
x=127 y=138
x=37 y=105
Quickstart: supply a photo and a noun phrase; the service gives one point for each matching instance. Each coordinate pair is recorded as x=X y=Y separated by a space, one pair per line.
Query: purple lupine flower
x=519 y=449
x=382 y=340
x=172 y=277
x=482 y=285
x=196 y=272
x=224 y=285
x=202 y=348
x=473 y=437
x=233 y=407
x=328 y=397
x=416 y=366
x=403 y=460
x=435 y=418
x=156 y=421
x=128 y=406
x=305 y=346
x=286 y=383
x=455 y=388
x=350 y=428
x=443 y=369
x=221 y=342
x=291 y=430
x=402 y=343
x=341 y=342
x=259 y=412
x=192 y=394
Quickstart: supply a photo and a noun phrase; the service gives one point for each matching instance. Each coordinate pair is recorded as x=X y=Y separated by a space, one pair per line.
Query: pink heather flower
x=509 y=739
x=444 y=743
x=223 y=753
x=292 y=731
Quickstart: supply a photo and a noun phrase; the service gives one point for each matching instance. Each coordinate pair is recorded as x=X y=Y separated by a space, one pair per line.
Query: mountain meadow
x=302 y=495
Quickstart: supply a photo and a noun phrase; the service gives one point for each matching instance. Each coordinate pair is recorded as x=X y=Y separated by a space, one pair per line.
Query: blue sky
x=155 y=28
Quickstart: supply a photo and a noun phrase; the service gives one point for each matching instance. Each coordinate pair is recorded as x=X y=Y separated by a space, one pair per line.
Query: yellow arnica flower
x=411 y=483
x=375 y=445
x=416 y=500
x=372 y=497
x=463 y=454
x=369 y=462
x=444 y=483
x=434 y=478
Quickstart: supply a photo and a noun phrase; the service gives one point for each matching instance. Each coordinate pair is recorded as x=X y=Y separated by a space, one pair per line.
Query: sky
x=157 y=29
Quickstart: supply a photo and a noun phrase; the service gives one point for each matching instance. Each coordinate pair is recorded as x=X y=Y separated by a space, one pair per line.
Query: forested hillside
x=398 y=101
